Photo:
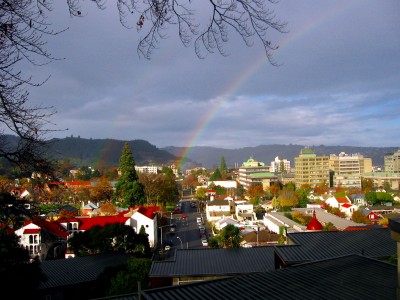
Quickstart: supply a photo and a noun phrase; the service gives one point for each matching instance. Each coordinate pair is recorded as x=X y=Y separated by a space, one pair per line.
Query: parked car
x=204 y=242
x=168 y=245
x=172 y=228
x=199 y=221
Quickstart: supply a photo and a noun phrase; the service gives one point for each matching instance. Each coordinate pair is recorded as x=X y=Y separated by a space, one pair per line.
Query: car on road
x=204 y=242
x=168 y=245
x=172 y=228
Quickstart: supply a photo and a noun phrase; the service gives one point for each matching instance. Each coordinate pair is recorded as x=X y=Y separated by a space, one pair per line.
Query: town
x=185 y=225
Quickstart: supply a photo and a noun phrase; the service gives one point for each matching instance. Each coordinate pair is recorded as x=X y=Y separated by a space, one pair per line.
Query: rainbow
x=246 y=75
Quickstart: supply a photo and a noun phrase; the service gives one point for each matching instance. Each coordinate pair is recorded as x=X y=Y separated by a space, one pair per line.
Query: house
x=221 y=223
x=372 y=216
x=89 y=209
x=215 y=209
x=358 y=199
x=146 y=216
x=244 y=211
x=256 y=238
x=336 y=202
x=43 y=239
x=348 y=209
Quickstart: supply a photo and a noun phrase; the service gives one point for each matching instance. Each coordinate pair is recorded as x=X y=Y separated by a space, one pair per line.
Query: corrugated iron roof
x=218 y=262
x=312 y=246
x=63 y=272
x=348 y=277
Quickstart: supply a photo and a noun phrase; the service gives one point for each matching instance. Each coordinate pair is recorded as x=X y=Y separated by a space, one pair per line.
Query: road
x=187 y=234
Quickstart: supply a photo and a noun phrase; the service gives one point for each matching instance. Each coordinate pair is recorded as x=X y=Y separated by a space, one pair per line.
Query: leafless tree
x=23 y=26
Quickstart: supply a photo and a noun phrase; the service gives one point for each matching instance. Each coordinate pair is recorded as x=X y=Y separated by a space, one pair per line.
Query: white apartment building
x=147 y=169
x=279 y=165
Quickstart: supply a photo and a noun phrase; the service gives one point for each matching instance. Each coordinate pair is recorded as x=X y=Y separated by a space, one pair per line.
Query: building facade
x=310 y=168
x=251 y=172
x=392 y=162
x=280 y=165
x=347 y=169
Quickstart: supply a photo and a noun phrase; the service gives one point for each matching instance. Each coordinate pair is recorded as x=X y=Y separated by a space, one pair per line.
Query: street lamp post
x=181 y=241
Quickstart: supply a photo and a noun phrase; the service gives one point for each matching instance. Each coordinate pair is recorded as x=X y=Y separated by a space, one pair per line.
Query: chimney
x=394 y=225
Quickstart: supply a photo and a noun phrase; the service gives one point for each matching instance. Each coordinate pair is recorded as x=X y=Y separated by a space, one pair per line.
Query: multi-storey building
x=147 y=169
x=392 y=162
x=347 y=169
x=310 y=168
x=280 y=165
x=252 y=172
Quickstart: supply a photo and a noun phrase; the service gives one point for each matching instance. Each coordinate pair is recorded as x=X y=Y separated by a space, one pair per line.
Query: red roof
x=32 y=231
x=314 y=223
x=52 y=227
x=148 y=211
x=347 y=205
x=87 y=223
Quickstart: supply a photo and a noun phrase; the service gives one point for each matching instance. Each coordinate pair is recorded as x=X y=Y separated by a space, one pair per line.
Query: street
x=186 y=234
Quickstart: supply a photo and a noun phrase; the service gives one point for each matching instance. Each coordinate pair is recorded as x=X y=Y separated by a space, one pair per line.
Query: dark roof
x=312 y=246
x=348 y=277
x=63 y=272
x=215 y=262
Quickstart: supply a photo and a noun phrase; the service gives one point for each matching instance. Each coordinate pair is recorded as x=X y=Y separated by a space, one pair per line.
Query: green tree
x=222 y=166
x=108 y=238
x=125 y=281
x=216 y=175
x=129 y=190
x=229 y=237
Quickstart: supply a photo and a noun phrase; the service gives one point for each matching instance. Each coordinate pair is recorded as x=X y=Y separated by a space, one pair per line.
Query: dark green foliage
x=222 y=166
x=378 y=198
x=18 y=276
x=129 y=190
x=126 y=279
x=13 y=212
x=216 y=175
x=110 y=238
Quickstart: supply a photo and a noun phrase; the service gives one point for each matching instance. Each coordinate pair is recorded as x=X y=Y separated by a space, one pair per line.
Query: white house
x=348 y=209
x=221 y=223
x=244 y=211
x=217 y=208
x=336 y=202
x=146 y=217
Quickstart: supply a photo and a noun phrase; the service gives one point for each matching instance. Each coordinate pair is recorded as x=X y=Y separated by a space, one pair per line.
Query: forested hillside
x=106 y=152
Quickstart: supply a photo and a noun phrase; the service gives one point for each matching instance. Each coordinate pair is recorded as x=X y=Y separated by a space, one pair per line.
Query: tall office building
x=392 y=162
x=310 y=168
x=347 y=169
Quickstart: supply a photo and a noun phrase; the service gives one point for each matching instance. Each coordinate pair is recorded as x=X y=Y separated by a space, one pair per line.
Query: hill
x=106 y=152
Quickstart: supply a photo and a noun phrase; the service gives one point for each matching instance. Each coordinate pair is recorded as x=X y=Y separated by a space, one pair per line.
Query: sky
x=337 y=81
